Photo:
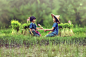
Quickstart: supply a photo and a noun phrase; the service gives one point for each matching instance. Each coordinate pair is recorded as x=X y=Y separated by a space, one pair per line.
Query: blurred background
x=73 y=10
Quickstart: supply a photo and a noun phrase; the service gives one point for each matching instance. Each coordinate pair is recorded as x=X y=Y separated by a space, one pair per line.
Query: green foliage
x=27 y=40
x=65 y=29
x=79 y=30
x=25 y=25
x=65 y=25
x=6 y=31
x=15 y=24
x=18 y=39
x=59 y=50
x=72 y=9
x=41 y=9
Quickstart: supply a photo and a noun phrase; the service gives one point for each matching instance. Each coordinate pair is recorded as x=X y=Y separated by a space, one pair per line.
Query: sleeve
x=54 y=25
x=30 y=26
x=36 y=25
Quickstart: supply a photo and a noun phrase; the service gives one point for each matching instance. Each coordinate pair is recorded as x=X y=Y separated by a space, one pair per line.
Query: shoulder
x=55 y=23
x=31 y=23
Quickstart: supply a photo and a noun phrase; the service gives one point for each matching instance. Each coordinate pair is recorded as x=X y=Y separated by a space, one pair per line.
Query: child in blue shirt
x=33 y=27
x=54 y=27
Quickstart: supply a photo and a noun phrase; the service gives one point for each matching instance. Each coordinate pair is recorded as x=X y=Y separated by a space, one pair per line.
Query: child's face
x=34 y=20
x=54 y=19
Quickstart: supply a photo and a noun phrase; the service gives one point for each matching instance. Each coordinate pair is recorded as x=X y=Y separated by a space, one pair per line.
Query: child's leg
x=36 y=35
x=50 y=35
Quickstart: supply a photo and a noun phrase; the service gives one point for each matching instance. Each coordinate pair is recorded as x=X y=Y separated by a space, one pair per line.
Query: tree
x=72 y=10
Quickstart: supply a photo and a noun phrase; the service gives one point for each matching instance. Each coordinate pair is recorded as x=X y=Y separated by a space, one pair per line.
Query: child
x=54 y=27
x=33 y=27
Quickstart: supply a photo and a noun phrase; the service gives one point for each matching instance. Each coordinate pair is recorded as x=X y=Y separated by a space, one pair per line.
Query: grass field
x=16 y=45
x=60 y=50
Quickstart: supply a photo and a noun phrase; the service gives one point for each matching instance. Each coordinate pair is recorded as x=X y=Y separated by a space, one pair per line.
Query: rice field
x=26 y=46
x=60 y=50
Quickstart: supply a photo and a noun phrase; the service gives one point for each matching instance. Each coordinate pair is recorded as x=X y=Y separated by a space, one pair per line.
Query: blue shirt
x=55 y=31
x=32 y=26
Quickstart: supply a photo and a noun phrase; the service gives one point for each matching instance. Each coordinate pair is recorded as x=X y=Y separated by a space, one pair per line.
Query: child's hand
x=41 y=27
x=45 y=30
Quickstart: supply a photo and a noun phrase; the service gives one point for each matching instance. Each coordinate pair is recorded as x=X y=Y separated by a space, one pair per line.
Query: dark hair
x=32 y=18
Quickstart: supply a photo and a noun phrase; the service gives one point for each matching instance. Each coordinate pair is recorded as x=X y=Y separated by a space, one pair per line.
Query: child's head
x=55 y=18
x=32 y=19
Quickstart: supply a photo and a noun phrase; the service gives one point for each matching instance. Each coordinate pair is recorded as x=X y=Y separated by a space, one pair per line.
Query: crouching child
x=33 y=27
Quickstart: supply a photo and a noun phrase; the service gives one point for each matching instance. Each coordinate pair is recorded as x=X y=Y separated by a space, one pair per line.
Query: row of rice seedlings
x=60 y=50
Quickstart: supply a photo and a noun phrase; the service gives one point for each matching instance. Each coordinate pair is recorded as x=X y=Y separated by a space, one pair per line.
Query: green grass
x=79 y=30
x=27 y=40
x=18 y=45
x=6 y=31
x=60 y=50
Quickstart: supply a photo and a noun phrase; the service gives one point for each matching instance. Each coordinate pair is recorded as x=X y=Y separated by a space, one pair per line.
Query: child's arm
x=39 y=28
x=31 y=31
x=49 y=29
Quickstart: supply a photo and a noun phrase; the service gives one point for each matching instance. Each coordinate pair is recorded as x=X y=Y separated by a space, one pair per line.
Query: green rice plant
x=65 y=29
x=65 y=25
x=29 y=40
x=6 y=31
x=25 y=25
x=59 y=50
x=60 y=25
x=70 y=26
x=79 y=30
x=15 y=25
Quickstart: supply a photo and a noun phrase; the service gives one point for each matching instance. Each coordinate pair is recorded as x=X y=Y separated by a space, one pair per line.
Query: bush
x=15 y=24
x=65 y=29
x=65 y=25
x=26 y=25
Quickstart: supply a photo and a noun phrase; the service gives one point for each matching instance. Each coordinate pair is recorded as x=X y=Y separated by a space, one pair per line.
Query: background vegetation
x=20 y=10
